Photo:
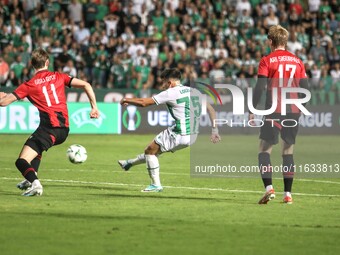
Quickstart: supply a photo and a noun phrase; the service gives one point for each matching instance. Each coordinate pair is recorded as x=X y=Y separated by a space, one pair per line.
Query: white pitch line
x=178 y=174
x=171 y=187
x=318 y=181
x=104 y=171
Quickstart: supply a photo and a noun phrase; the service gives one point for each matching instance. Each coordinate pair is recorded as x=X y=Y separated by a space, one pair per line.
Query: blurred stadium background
x=121 y=47
x=126 y=44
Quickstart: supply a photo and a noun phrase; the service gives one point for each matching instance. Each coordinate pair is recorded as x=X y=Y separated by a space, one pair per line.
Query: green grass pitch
x=96 y=208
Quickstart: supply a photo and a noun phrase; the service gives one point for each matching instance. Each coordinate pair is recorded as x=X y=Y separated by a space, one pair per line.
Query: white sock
x=269 y=187
x=288 y=194
x=36 y=183
x=152 y=165
x=140 y=159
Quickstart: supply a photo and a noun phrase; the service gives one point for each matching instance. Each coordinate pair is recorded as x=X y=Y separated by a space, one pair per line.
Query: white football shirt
x=185 y=106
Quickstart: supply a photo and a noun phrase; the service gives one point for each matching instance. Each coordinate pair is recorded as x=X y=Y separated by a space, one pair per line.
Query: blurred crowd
x=126 y=44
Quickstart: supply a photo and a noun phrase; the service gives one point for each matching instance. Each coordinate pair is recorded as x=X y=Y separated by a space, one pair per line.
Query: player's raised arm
x=6 y=99
x=77 y=83
x=215 y=137
x=140 y=102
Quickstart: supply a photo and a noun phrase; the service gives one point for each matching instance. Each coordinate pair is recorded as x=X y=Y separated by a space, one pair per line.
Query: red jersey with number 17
x=46 y=91
x=283 y=69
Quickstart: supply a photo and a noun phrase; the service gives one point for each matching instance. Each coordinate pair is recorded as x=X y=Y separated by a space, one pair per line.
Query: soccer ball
x=76 y=154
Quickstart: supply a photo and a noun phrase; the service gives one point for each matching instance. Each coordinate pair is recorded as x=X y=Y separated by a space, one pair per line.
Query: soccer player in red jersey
x=280 y=69
x=46 y=91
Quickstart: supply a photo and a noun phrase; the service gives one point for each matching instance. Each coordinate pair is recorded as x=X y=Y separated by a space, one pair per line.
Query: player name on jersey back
x=185 y=90
x=284 y=59
x=46 y=79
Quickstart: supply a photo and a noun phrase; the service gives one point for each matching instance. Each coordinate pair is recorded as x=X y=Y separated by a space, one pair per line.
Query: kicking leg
x=127 y=164
x=140 y=159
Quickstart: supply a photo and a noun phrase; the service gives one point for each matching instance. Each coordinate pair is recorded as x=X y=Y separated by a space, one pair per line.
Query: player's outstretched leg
x=152 y=164
x=25 y=184
x=127 y=164
x=266 y=175
x=28 y=172
x=288 y=176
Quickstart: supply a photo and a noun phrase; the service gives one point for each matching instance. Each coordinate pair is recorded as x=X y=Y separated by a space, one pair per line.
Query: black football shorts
x=276 y=124
x=44 y=138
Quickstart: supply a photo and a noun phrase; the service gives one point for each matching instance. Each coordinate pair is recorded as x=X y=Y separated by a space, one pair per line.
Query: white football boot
x=35 y=190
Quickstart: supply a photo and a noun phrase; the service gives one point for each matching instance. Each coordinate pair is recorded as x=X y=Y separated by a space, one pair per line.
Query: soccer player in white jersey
x=185 y=106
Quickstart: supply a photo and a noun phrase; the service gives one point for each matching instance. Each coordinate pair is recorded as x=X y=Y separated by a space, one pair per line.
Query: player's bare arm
x=6 y=99
x=215 y=137
x=77 y=83
x=140 y=102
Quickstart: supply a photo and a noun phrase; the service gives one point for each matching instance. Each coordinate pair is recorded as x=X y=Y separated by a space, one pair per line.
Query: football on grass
x=76 y=154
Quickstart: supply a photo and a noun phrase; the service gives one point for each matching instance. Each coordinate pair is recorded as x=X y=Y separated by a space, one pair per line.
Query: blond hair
x=39 y=57
x=278 y=35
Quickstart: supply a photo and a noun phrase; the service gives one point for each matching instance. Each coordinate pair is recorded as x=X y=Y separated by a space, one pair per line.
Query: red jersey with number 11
x=283 y=69
x=46 y=91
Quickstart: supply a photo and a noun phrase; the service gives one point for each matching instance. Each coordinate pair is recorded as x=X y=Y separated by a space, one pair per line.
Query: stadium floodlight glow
x=238 y=99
